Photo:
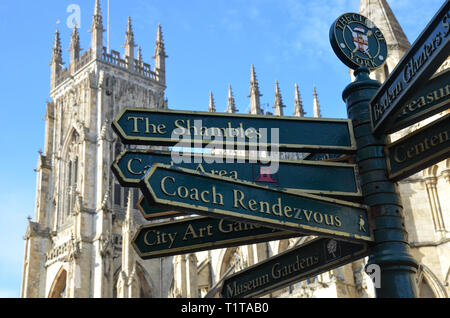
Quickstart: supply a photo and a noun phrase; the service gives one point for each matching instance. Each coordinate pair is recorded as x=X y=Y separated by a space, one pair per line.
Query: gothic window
x=70 y=179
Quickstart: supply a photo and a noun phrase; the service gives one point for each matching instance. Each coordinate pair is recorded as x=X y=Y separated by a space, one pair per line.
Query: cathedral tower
x=73 y=246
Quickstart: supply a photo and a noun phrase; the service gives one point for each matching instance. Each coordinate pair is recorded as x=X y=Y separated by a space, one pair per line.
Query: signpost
x=197 y=234
x=190 y=191
x=198 y=129
x=390 y=251
x=419 y=150
x=424 y=57
x=299 y=176
x=291 y=266
x=431 y=99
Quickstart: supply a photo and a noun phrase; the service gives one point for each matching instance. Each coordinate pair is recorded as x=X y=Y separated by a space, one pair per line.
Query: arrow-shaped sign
x=419 y=150
x=150 y=211
x=302 y=176
x=197 y=234
x=424 y=57
x=220 y=197
x=294 y=265
x=431 y=99
x=198 y=129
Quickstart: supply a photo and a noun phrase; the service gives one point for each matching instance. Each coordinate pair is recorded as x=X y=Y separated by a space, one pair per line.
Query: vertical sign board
x=291 y=266
x=204 y=194
x=431 y=99
x=220 y=131
x=419 y=150
x=424 y=57
x=197 y=234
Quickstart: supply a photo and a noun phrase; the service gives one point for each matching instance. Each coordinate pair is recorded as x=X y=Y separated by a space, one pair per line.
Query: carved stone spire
x=56 y=62
x=379 y=12
x=97 y=31
x=211 y=107
x=255 y=104
x=231 y=106
x=74 y=48
x=316 y=106
x=278 y=101
x=160 y=57
x=139 y=53
x=298 y=103
x=129 y=44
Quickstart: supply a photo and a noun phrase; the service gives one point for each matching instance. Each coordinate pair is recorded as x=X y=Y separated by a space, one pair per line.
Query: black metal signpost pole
x=391 y=251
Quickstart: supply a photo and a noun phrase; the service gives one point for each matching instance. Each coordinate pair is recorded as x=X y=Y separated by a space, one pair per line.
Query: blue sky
x=211 y=44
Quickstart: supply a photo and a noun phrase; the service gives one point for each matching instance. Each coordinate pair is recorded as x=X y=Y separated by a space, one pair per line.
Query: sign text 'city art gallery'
x=195 y=234
x=190 y=191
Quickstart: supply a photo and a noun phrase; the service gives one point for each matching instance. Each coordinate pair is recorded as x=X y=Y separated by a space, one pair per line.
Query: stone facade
x=79 y=242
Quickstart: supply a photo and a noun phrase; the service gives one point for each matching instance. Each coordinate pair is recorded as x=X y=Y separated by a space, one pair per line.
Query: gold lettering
x=135 y=122
x=189 y=231
x=202 y=196
x=287 y=209
x=251 y=205
x=163 y=187
x=236 y=200
x=225 y=230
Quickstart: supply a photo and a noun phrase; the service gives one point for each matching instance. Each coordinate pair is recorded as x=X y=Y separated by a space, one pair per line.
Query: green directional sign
x=431 y=99
x=205 y=194
x=303 y=176
x=294 y=265
x=200 y=234
x=198 y=129
x=419 y=150
x=150 y=211
x=424 y=57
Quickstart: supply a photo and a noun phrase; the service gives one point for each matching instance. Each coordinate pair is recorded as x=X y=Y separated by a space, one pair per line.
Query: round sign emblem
x=358 y=42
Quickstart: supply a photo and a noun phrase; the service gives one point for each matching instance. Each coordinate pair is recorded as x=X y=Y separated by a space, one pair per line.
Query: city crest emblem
x=358 y=42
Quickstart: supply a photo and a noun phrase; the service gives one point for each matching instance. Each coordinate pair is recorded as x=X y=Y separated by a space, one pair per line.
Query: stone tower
x=73 y=247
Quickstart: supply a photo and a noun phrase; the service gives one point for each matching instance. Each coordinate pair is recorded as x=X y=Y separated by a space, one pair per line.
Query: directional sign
x=197 y=129
x=419 y=150
x=424 y=57
x=150 y=211
x=302 y=176
x=205 y=194
x=433 y=98
x=200 y=234
x=294 y=265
